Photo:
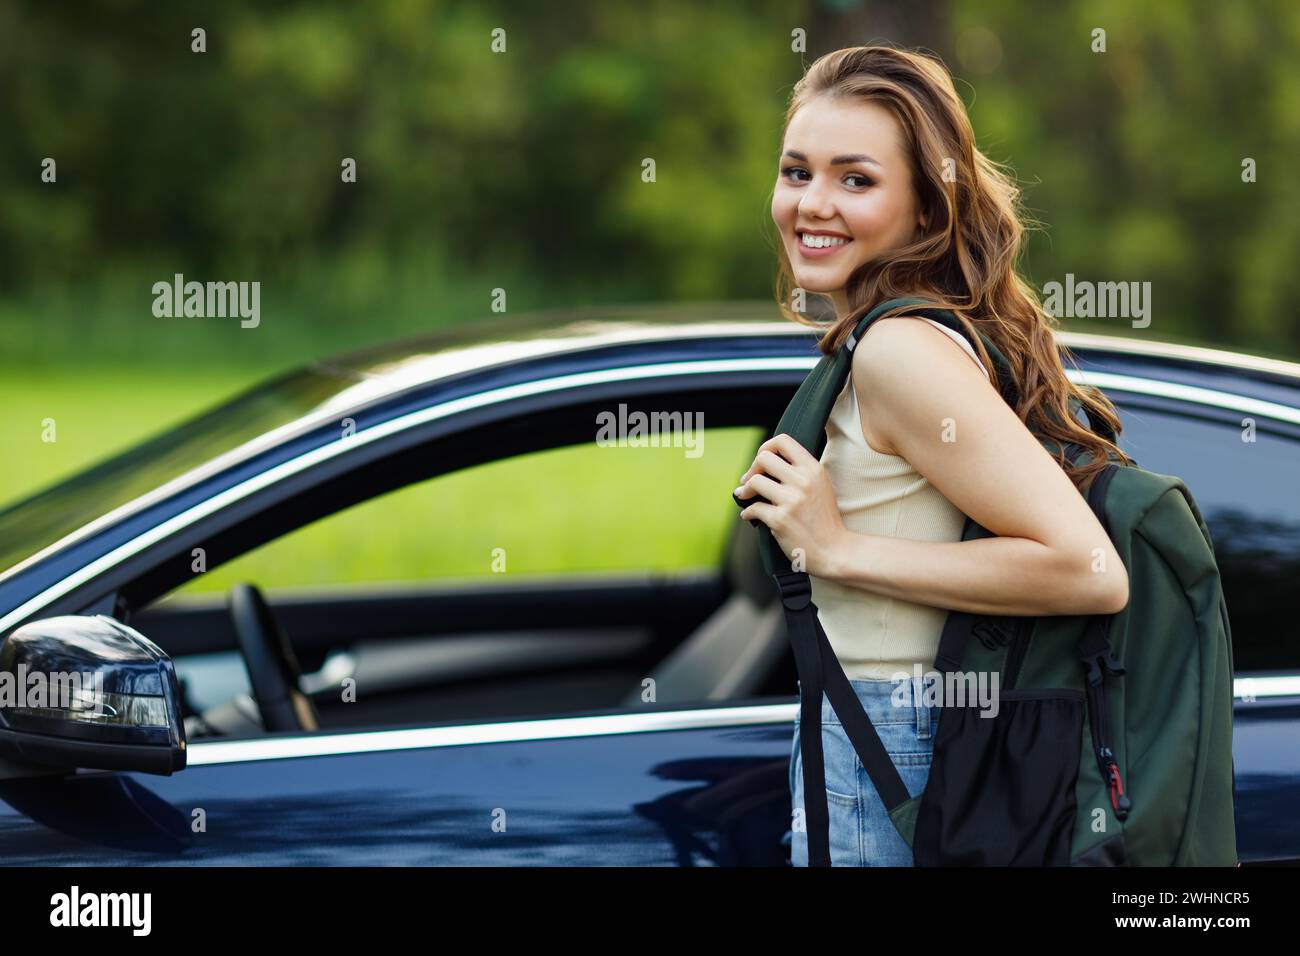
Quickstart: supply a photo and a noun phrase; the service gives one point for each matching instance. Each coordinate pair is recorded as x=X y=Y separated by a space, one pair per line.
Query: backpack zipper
x=1099 y=667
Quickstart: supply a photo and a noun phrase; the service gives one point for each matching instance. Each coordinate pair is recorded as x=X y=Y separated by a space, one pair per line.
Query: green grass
x=96 y=412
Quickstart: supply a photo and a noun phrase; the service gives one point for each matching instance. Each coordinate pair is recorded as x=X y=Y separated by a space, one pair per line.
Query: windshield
x=38 y=521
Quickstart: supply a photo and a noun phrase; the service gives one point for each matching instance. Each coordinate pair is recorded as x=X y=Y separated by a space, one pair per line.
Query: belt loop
x=922 y=710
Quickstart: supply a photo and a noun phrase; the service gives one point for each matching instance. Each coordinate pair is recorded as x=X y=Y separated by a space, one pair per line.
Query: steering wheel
x=273 y=669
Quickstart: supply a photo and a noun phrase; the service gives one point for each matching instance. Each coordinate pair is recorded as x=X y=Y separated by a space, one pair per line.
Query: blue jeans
x=861 y=833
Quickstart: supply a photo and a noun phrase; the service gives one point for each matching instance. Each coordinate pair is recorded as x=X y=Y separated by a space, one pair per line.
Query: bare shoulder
x=911 y=331
x=898 y=360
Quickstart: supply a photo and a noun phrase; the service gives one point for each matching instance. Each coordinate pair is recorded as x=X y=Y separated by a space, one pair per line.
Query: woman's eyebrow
x=836 y=161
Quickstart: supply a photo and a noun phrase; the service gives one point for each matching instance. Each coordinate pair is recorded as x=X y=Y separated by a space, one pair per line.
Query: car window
x=587 y=508
x=1246 y=491
x=408 y=597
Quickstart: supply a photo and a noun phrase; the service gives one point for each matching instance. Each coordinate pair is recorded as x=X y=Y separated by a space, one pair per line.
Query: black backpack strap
x=820 y=673
x=859 y=729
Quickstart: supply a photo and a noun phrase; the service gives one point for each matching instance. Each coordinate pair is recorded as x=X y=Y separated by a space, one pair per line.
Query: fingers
x=758 y=511
x=770 y=463
x=776 y=474
x=761 y=485
x=788 y=448
x=780 y=456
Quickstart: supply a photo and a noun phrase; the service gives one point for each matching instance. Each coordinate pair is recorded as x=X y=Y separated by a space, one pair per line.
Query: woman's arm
x=931 y=404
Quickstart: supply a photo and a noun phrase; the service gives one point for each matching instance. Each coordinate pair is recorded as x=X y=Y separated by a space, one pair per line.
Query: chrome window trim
x=1192 y=353
x=1109 y=381
x=207 y=753
x=215 y=752
x=1104 y=380
x=1251 y=687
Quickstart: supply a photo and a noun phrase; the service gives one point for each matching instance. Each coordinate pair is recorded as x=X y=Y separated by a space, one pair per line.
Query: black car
x=635 y=711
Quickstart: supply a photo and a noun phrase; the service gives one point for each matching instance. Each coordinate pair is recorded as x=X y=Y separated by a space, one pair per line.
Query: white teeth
x=820 y=242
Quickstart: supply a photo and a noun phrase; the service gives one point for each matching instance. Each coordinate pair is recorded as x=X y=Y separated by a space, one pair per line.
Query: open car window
x=577 y=510
x=550 y=582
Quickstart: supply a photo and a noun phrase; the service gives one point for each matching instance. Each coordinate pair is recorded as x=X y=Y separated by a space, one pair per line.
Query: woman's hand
x=803 y=516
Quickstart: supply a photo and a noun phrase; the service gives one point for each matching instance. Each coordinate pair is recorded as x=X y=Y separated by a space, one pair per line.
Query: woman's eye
x=790 y=173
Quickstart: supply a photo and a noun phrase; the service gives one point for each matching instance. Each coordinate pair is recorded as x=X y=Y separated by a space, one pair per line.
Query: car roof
x=390 y=368
x=387 y=369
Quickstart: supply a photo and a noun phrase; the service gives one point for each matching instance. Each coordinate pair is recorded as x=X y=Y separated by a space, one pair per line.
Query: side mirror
x=89 y=692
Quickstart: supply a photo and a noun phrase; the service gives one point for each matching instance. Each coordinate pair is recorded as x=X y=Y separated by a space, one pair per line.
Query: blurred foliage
x=1137 y=152
x=523 y=169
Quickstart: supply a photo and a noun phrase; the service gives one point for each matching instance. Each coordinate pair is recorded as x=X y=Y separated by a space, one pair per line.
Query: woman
x=881 y=193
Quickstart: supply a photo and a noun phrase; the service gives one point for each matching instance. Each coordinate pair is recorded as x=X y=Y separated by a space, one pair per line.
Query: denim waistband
x=892 y=702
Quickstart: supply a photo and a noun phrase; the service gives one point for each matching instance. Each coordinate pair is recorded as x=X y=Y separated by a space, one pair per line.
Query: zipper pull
x=1109 y=662
x=1118 y=801
x=1101 y=664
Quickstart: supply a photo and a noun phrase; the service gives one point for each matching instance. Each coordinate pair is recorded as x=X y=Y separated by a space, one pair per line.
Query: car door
x=682 y=787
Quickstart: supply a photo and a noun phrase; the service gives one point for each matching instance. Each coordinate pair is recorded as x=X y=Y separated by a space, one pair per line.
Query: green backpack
x=1112 y=740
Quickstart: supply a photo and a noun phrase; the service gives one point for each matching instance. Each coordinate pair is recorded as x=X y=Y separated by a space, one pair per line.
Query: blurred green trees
x=523 y=169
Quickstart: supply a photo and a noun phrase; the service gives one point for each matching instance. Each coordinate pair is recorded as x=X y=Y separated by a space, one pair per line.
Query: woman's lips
x=809 y=253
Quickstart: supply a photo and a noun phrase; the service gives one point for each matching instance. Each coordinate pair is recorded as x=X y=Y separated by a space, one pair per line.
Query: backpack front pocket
x=1001 y=787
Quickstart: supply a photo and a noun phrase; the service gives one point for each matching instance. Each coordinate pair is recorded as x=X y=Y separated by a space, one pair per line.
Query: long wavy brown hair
x=967 y=257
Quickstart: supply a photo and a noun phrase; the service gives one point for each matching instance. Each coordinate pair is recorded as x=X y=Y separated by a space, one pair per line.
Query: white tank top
x=875 y=636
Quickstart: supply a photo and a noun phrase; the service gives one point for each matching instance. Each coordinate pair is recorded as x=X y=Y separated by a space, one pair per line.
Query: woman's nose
x=816 y=202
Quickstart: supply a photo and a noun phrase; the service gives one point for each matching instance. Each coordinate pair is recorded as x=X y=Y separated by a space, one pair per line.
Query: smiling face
x=844 y=192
